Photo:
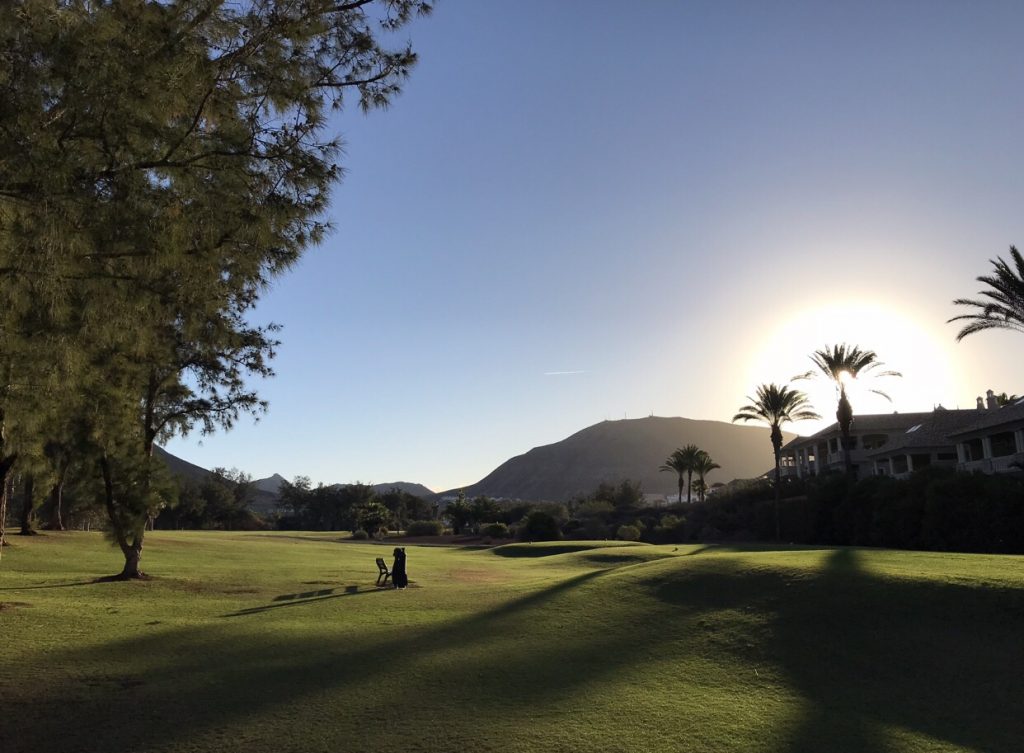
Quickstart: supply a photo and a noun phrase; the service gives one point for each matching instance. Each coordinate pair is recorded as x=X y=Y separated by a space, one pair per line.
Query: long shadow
x=308 y=597
x=211 y=679
x=93 y=582
x=871 y=654
x=868 y=654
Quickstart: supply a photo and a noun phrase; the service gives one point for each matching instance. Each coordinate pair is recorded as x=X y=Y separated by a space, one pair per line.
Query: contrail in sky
x=562 y=373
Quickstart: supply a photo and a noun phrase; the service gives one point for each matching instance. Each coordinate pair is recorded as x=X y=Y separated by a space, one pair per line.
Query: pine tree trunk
x=132 y=559
x=57 y=495
x=5 y=492
x=56 y=507
x=132 y=550
x=28 y=506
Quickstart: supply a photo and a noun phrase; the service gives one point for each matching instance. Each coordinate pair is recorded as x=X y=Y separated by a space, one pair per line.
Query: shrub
x=671 y=529
x=628 y=533
x=539 y=525
x=360 y=534
x=589 y=530
x=424 y=528
x=496 y=531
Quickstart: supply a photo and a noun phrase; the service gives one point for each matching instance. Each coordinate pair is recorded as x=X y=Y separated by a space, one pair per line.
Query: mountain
x=417 y=490
x=180 y=467
x=627 y=449
x=271 y=484
x=268 y=489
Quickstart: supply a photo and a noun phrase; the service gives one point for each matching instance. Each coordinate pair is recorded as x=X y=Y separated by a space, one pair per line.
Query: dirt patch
x=5 y=605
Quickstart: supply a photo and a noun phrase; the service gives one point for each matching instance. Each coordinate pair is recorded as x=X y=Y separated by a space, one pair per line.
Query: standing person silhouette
x=398 y=574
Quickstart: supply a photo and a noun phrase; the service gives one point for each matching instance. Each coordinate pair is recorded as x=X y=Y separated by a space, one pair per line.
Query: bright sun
x=902 y=344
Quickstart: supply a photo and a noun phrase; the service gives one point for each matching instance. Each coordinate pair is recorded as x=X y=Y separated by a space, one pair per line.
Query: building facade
x=989 y=438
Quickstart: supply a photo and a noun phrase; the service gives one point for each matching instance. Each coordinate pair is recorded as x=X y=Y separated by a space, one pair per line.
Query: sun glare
x=929 y=372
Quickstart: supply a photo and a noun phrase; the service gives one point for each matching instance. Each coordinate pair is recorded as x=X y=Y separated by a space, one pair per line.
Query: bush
x=539 y=525
x=360 y=534
x=424 y=528
x=496 y=531
x=671 y=529
x=588 y=530
x=628 y=533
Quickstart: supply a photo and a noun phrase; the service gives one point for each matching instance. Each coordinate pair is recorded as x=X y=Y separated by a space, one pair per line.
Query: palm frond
x=1004 y=307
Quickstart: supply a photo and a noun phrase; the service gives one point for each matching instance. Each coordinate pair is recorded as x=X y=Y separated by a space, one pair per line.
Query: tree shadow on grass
x=199 y=679
x=872 y=654
x=866 y=653
x=310 y=597
x=93 y=582
x=550 y=549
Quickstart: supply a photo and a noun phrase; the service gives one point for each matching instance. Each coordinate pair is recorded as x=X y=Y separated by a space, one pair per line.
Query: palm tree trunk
x=689 y=486
x=777 y=450
x=778 y=496
x=680 y=488
x=844 y=415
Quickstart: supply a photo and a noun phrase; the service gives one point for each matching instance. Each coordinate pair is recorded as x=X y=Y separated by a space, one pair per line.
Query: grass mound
x=549 y=548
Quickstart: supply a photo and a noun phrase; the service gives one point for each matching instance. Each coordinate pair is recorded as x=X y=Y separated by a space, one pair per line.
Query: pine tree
x=162 y=163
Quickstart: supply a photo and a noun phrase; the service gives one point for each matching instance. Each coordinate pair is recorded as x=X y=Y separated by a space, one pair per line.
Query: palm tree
x=1003 y=304
x=776 y=405
x=703 y=466
x=841 y=363
x=683 y=461
x=676 y=464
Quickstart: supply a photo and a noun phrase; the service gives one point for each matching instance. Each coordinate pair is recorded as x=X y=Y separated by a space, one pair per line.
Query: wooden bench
x=384 y=574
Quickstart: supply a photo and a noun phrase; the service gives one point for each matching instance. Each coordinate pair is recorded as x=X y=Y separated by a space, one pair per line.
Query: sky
x=588 y=210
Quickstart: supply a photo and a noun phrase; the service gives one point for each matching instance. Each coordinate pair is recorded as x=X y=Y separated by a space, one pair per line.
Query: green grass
x=280 y=642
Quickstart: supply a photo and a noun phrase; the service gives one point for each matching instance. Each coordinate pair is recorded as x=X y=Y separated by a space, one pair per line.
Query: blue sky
x=672 y=201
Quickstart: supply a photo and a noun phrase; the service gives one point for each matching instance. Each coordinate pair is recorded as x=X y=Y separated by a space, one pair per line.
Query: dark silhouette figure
x=398 y=575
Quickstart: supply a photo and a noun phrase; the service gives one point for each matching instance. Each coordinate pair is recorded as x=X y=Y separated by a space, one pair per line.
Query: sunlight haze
x=585 y=211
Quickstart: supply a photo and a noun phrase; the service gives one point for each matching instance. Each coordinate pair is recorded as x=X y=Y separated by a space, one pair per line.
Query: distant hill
x=627 y=449
x=417 y=490
x=180 y=467
x=271 y=484
x=268 y=489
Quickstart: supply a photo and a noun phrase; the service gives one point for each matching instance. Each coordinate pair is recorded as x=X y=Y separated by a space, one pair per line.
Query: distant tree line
x=935 y=509
x=348 y=507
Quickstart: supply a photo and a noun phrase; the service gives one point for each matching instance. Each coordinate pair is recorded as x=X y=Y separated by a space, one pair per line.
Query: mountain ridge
x=612 y=451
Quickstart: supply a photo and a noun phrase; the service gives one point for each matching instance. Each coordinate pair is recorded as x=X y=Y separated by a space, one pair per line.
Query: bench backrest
x=381 y=565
